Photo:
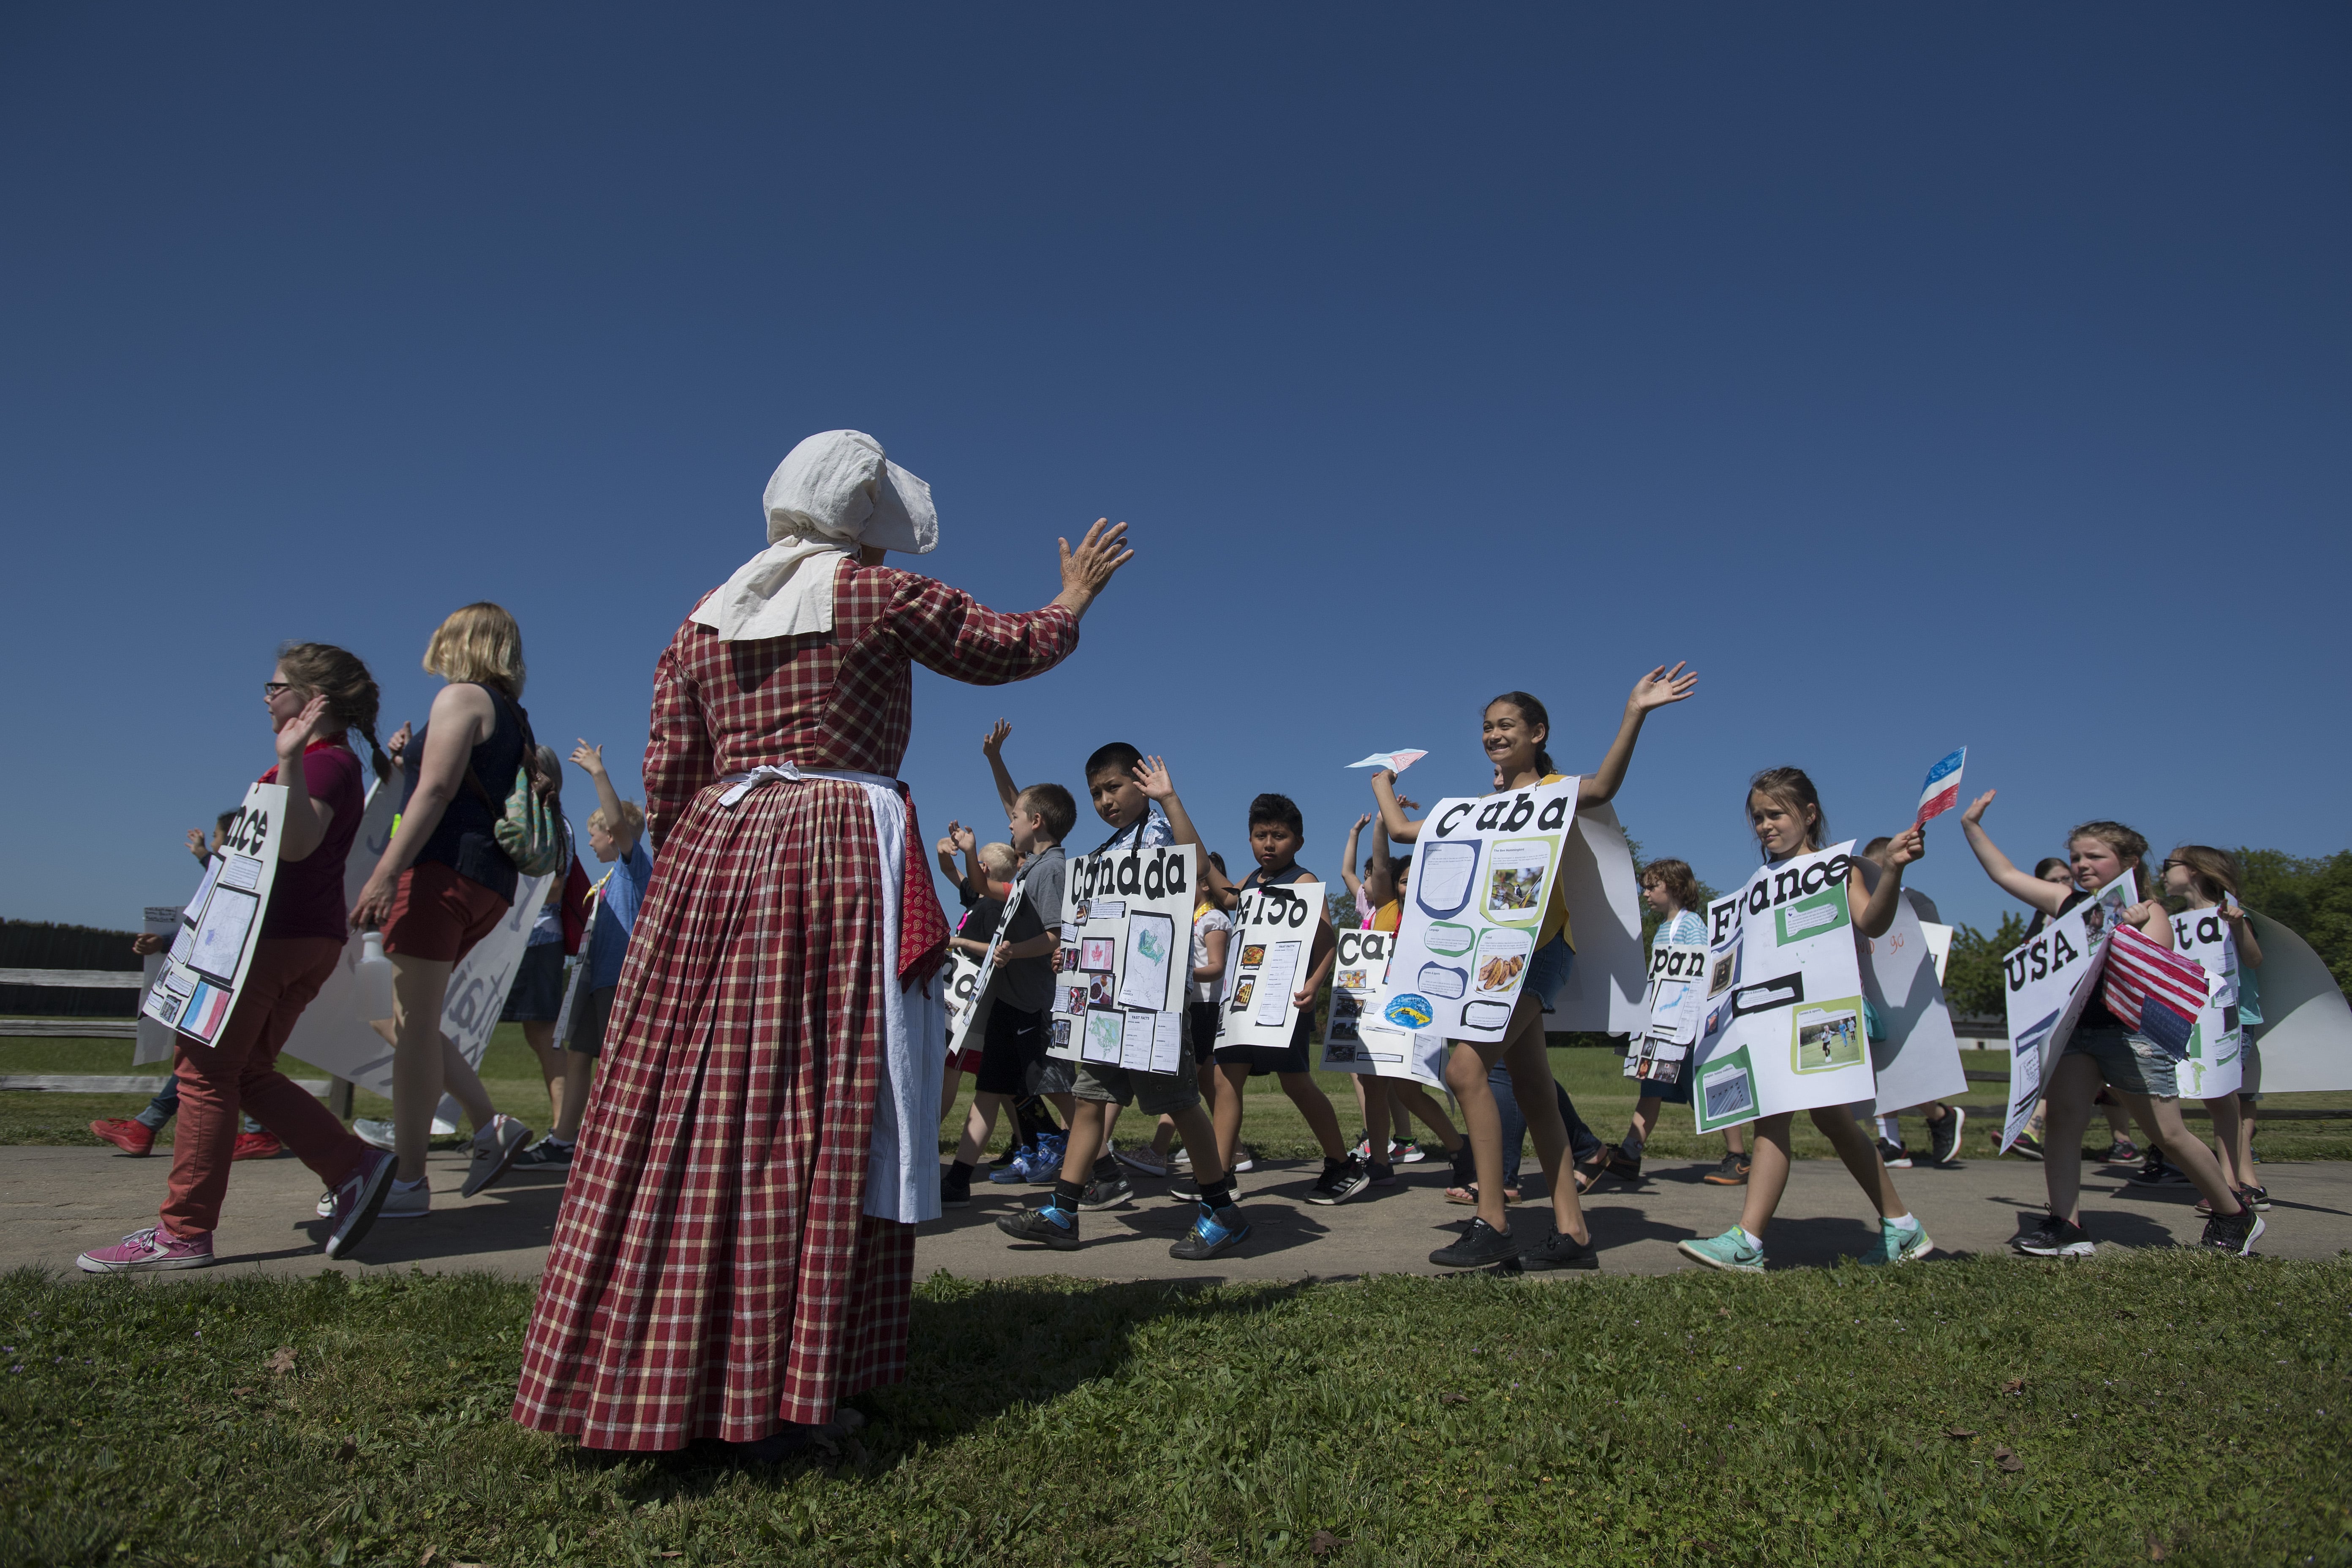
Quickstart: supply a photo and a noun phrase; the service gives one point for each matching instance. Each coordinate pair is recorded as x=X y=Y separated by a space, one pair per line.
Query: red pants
x=240 y=1072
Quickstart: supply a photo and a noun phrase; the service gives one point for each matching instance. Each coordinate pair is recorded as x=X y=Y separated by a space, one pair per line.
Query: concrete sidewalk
x=60 y=1202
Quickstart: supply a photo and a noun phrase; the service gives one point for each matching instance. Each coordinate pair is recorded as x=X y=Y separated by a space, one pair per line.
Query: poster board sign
x=1915 y=1056
x=963 y=990
x=1607 y=987
x=1483 y=871
x=1354 y=1040
x=1122 y=975
x=2213 y=1068
x=1784 y=1024
x=1940 y=944
x=1271 y=949
x=2306 y=1037
x=195 y=987
x=1679 y=973
x=156 y=1039
x=2046 y=983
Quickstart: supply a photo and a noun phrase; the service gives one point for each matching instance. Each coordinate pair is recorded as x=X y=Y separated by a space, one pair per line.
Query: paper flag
x=1942 y=790
x=1395 y=761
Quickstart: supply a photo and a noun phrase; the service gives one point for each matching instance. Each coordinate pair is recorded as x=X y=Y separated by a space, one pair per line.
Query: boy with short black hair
x=1277 y=832
x=1013 y=1059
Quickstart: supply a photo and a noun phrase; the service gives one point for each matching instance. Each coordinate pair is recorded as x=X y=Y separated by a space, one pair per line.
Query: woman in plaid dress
x=735 y=1253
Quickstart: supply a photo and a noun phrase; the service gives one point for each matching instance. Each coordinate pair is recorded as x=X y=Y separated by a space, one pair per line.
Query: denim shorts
x=1547 y=971
x=2132 y=1063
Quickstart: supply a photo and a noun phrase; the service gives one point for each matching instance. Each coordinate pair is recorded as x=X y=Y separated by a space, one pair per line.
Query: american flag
x=2154 y=990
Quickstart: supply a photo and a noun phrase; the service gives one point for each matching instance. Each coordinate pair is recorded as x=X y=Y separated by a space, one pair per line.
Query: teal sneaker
x=1899 y=1243
x=1730 y=1252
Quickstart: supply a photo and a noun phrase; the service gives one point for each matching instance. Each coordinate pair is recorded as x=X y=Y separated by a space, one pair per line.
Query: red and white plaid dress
x=713 y=1273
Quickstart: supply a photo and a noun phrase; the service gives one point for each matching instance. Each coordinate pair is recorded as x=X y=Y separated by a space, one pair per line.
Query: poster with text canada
x=1273 y=948
x=1784 y=1025
x=2046 y=983
x=2212 y=1067
x=1121 y=976
x=195 y=989
x=1482 y=878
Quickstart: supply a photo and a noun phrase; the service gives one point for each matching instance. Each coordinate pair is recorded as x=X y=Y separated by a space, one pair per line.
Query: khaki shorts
x=1153 y=1093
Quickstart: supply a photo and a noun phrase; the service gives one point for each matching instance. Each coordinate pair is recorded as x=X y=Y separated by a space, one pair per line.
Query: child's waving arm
x=991 y=745
x=1875 y=908
x=1348 y=877
x=1656 y=690
x=2047 y=897
x=1152 y=777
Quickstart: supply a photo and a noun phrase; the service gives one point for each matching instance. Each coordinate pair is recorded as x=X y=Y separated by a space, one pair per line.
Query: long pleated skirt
x=713 y=1273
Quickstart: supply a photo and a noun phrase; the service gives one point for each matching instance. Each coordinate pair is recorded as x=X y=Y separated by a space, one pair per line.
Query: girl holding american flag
x=2124 y=1053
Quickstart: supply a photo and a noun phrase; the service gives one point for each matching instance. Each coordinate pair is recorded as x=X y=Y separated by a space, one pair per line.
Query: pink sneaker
x=153 y=1249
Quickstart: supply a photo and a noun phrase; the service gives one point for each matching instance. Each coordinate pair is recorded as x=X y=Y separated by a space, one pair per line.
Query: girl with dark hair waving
x=1516 y=730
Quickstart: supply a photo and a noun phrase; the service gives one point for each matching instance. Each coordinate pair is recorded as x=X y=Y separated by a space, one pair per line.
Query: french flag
x=2154 y=990
x=207 y=1009
x=1942 y=791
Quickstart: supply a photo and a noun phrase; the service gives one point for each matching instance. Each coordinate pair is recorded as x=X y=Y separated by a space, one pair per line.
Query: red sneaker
x=130 y=1137
x=258 y=1146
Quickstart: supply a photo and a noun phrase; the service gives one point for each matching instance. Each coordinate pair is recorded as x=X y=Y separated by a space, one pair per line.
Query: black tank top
x=464 y=841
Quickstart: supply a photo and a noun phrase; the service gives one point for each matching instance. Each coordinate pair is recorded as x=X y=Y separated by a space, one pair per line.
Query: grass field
x=2151 y=1407
x=1271 y=1124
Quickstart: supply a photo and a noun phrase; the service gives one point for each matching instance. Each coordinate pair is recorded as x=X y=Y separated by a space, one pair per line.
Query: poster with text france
x=195 y=990
x=1784 y=1024
x=1482 y=878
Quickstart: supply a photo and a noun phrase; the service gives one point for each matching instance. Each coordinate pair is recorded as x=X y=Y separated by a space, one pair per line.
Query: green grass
x=1976 y=1411
x=1271 y=1124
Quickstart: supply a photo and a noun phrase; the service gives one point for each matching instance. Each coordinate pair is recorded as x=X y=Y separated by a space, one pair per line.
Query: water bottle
x=374 y=977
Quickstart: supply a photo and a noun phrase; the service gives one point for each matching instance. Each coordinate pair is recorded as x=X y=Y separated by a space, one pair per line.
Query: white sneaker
x=371 y=1131
x=1245 y=1158
x=327 y=1205
x=407 y=1202
x=495 y=1147
x=1179 y=1160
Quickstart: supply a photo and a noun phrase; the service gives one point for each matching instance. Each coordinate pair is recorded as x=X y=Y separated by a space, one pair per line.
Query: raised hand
x=398 y=744
x=1086 y=571
x=1974 y=815
x=1151 y=775
x=1907 y=846
x=1660 y=687
x=589 y=758
x=992 y=742
x=1361 y=822
x=297 y=732
x=966 y=841
x=197 y=844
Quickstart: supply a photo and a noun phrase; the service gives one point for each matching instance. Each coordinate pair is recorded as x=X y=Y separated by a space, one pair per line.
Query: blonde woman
x=444 y=883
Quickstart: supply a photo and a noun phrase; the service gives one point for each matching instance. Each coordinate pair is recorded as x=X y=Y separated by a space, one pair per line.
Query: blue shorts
x=2132 y=1063
x=1547 y=971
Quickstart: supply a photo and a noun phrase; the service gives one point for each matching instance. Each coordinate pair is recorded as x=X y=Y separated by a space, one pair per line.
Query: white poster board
x=963 y=980
x=2046 y=983
x=2213 y=1068
x=1607 y=987
x=156 y=1039
x=1271 y=951
x=1354 y=1040
x=1679 y=973
x=1123 y=973
x=1483 y=872
x=1784 y=1025
x=1914 y=1057
x=195 y=988
x=2306 y=1037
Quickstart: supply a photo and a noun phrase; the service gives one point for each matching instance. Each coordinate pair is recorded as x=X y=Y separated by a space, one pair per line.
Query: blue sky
x=1925 y=377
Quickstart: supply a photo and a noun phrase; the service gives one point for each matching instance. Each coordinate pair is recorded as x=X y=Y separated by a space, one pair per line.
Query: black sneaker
x=1944 y=1137
x=1341 y=1180
x=546 y=1152
x=1479 y=1246
x=1214 y=1231
x=1056 y=1228
x=1561 y=1250
x=2050 y=1236
x=2255 y=1197
x=1895 y=1155
x=1626 y=1168
x=2233 y=1233
x=2154 y=1171
x=2027 y=1147
x=1106 y=1193
x=955 y=1188
x=1731 y=1172
x=2122 y=1151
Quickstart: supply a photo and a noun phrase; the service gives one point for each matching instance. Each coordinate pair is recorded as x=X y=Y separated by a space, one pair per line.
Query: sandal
x=1468 y=1195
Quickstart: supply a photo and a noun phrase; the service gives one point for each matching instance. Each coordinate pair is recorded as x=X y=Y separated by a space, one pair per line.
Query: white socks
x=1891 y=1128
x=1751 y=1238
x=1900 y=1222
